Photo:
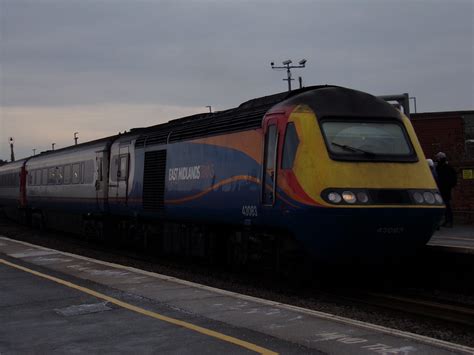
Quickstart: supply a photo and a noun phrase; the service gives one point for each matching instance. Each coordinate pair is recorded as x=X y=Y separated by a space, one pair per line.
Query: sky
x=98 y=67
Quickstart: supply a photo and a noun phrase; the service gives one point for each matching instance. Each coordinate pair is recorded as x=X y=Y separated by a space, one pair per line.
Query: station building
x=451 y=132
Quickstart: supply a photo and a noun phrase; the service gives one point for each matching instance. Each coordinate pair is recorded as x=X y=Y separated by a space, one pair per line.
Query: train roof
x=17 y=164
x=324 y=100
x=247 y=115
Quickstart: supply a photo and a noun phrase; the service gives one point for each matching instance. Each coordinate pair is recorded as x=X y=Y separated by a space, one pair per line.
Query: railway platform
x=51 y=301
x=459 y=239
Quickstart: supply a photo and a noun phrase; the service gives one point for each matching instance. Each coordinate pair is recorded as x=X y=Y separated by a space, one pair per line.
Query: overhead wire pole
x=287 y=65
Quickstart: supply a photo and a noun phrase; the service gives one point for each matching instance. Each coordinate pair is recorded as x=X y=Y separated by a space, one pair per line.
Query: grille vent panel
x=154 y=180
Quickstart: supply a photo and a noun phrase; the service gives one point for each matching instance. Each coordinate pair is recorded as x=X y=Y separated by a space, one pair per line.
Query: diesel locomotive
x=325 y=171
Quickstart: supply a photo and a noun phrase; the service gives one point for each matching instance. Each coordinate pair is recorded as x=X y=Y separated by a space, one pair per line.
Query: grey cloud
x=218 y=52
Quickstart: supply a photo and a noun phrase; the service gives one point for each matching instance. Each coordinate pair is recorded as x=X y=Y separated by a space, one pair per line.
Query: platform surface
x=55 y=302
x=460 y=238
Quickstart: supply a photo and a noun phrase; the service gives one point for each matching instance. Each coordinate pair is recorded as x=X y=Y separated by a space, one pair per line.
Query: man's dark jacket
x=447 y=179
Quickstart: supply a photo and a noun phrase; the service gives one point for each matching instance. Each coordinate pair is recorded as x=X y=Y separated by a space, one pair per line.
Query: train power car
x=326 y=171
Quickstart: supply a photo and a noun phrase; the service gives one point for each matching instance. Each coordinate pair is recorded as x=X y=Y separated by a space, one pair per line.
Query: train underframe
x=238 y=247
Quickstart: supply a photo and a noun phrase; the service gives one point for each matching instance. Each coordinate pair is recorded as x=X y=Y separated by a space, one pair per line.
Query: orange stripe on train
x=214 y=187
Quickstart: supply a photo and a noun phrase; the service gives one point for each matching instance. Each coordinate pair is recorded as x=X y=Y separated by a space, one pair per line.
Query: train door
x=123 y=164
x=270 y=159
x=101 y=186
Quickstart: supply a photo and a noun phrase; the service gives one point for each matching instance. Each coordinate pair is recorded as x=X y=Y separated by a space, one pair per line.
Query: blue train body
x=311 y=166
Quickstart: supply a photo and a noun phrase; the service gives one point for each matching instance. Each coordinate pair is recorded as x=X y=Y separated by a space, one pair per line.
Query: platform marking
x=321 y=315
x=145 y=312
x=460 y=238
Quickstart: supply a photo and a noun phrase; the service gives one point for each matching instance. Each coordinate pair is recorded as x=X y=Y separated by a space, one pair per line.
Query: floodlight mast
x=288 y=67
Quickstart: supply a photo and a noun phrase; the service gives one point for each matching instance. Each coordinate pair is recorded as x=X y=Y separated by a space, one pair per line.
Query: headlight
x=334 y=197
x=429 y=197
x=362 y=197
x=349 y=197
x=438 y=198
x=418 y=197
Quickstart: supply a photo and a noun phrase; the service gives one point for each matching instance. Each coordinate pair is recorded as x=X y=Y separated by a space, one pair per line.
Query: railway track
x=433 y=308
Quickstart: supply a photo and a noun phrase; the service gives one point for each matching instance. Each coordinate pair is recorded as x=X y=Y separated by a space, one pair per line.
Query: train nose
x=372 y=233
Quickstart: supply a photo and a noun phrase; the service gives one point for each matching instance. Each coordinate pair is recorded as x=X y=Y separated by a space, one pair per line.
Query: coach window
x=122 y=173
x=83 y=169
x=67 y=174
x=88 y=168
x=51 y=176
x=76 y=173
x=30 y=178
x=290 y=146
x=59 y=175
x=44 y=176
x=100 y=173
x=114 y=168
x=38 y=176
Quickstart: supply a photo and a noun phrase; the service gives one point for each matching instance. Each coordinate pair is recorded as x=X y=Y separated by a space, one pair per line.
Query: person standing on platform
x=447 y=180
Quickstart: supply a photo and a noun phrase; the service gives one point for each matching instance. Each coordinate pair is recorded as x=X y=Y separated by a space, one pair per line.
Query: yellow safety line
x=136 y=309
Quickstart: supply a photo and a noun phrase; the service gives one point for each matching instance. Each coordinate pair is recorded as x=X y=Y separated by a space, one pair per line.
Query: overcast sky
x=102 y=66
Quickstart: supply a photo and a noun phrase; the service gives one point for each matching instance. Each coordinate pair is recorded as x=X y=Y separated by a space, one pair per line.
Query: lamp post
x=12 y=156
x=76 y=137
x=34 y=151
x=210 y=108
x=287 y=65
x=52 y=145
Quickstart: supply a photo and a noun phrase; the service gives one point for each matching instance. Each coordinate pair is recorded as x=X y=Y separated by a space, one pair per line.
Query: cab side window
x=269 y=178
x=270 y=148
x=290 y=146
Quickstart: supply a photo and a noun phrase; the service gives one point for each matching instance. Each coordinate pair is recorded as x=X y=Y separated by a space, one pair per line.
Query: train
x=322 y=172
